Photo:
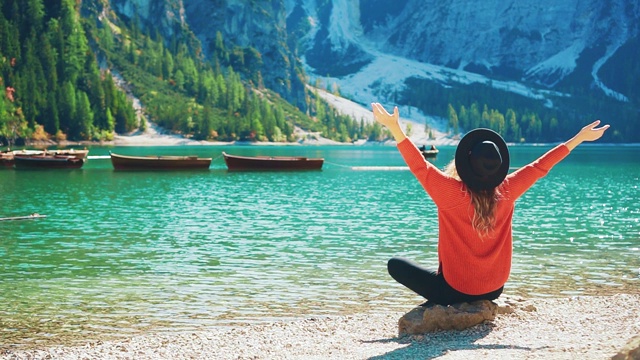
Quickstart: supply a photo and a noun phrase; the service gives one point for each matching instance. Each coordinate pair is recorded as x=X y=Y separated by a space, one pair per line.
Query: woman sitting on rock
x=475 y=199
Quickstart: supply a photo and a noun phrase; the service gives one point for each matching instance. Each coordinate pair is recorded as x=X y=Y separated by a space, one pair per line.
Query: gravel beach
x=583 y=327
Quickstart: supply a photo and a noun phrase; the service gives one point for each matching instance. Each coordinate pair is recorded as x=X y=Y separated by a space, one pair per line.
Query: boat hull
x=47 y=162
x=430 y=153
x=6 y=160
x=123 y=162
x=266 y=163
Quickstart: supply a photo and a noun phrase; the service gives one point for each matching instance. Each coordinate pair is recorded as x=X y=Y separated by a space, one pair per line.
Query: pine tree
x=83 y=117
x=76 y=45
x=35 y=15
x=475 y=116
x=167 y=65
x=67 y=106
x=52 y=120
x=463 y=118
x=453 y=120
x=111 y=121
x=513 y=129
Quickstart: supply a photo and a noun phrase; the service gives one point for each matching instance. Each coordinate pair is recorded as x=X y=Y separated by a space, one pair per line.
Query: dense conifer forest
x=60 y=71
x=52 y=84
x=519 y=118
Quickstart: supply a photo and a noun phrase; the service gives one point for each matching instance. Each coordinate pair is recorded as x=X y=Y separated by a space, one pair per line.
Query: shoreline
x=159 y=139
x=157 y=136
x=587 y=327
x=151 y=141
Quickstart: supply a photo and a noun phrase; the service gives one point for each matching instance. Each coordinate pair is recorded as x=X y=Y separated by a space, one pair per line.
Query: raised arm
x=520 y=180
x=587 y=133
x=439 y=186
x=390 y=121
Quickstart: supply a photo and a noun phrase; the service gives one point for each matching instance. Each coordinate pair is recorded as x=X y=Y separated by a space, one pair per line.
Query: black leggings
x=431 y=285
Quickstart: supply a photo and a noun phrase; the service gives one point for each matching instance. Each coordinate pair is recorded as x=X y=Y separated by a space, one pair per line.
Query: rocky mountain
x=369 y=48
x=539 y=42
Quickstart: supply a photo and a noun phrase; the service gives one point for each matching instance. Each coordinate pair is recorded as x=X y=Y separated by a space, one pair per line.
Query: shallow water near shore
x=120 y=253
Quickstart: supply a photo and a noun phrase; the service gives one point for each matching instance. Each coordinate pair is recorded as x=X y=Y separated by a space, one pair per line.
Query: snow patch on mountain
x=384 y=78
x=344 y=24
x=562 y=64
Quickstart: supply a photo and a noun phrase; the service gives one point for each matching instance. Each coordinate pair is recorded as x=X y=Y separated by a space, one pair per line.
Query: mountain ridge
x=544 y=48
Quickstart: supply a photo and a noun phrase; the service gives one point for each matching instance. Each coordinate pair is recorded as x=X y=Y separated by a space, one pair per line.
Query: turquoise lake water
x=121 y=253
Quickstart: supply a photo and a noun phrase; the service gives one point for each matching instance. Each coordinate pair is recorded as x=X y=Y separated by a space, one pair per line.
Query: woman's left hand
x=383 y=117
x=391 y=121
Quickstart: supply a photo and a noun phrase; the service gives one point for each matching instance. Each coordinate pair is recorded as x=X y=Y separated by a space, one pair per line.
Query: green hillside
x=56 y=89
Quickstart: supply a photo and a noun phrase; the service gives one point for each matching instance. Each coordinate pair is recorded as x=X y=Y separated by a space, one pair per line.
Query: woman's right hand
x=587 y=133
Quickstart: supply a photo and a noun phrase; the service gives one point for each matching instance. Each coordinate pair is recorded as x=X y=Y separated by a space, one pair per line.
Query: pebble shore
x=584 y=327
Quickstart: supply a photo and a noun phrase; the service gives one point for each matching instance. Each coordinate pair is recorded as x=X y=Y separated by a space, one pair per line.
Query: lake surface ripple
x=121 y=253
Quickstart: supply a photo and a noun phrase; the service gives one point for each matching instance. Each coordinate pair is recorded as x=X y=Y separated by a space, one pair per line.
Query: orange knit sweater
x=470 y=264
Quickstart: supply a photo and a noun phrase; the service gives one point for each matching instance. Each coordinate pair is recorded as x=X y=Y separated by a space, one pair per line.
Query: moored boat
x=125 y=162
x=429 y=153
x=47 y=162
x=80 y=154
x=235 y=162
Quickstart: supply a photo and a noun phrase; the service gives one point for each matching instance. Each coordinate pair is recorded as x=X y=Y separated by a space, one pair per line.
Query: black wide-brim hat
x=463 y=160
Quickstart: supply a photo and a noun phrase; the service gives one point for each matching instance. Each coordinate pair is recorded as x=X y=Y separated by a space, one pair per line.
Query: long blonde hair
x=484 y=203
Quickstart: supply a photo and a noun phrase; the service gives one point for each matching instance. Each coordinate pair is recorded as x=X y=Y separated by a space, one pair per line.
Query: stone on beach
x=631 y=351
x=422 y=320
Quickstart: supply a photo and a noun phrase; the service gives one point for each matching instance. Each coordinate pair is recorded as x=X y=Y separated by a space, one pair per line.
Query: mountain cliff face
x=544 y=44
x=257 y=24
x=168 y=16
x=539 y=42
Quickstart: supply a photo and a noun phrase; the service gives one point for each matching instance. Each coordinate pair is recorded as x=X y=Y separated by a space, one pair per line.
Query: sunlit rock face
x=542 y=41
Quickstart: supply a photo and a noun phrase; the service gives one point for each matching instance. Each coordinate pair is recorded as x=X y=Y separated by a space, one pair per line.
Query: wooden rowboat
x=47 y=162
x=80 y=154
x=124 y=162
x=271 y=162
x=429 y=153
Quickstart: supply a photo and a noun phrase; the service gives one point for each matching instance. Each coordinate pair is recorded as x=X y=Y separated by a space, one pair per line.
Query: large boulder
x=422 y=320
x=631 y=351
